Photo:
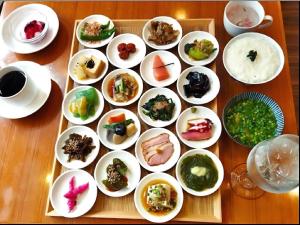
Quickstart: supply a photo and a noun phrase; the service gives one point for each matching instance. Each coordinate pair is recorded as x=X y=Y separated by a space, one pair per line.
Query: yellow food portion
x=82 y=71
x=131 y=129
x=79 y=106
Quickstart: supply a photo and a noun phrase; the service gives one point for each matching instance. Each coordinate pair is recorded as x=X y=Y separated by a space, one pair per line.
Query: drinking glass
x=272 y=166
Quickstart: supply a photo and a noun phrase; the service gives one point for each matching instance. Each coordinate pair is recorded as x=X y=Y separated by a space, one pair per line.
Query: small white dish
x=110 y=76
x=133 y=173
x=21 y=36
x=70 y=96
x=213 y=80
x=147 y=72
x=84 y=201
x=201 y=112
x=152 y=93
x=139 y=192
x=76 y=164
x=37 y=91
x=88 y=53
x=94 y=18
x=9 y=30
x=266 y=40
x=176 y=26
x=134 y=58
x=199 y=35
x=217 y=163
x=148 y=134
x=102 y=132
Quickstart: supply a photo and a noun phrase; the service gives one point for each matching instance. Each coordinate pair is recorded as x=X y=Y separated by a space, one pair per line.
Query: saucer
x=39 y=79
x=26 y=13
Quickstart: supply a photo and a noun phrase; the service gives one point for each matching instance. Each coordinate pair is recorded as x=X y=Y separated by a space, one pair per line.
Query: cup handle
x=268 y=20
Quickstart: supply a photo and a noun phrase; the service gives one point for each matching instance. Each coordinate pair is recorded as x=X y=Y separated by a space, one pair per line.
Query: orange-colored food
x=159 y=69
x=117 y=118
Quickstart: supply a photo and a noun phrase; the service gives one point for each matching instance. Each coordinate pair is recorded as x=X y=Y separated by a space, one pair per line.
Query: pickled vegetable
x=85 y=103
x=199 y=50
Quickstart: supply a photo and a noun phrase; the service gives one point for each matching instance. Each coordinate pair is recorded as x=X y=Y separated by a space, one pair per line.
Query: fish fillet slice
x=160 y=73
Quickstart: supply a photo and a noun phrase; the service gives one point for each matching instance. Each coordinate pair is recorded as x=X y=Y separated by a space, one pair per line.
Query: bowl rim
x=157 y=123
x=88 y=81
x=256 y=96
x=119 y=147
x=217 y=163
x=91 y=119
x=167 y=177
x=101 y=42
x=210 y=59
x=268 y=39
x=109 y=155
x=111 y=75
x=88 y=131
x=167 y=46
x=212 y=76
x=117 y=37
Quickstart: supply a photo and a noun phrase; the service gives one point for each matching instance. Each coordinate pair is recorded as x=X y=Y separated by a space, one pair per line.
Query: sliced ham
x=155 y=141
x=153 y=149
x=163 y=155
x=196 y=135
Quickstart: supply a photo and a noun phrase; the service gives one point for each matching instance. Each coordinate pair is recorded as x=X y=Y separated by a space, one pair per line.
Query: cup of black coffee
x=12 y=82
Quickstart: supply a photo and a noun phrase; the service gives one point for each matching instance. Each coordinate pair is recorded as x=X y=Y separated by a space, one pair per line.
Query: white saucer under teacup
x=32 y=96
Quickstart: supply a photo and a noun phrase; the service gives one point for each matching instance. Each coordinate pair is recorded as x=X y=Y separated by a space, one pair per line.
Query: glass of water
x=272 y=166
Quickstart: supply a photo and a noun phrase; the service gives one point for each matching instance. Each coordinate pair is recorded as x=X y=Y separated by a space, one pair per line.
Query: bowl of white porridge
x=253 y=58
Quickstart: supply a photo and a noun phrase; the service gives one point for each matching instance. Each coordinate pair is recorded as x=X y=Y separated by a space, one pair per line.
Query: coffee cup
x=245 y=16
x=13 y=82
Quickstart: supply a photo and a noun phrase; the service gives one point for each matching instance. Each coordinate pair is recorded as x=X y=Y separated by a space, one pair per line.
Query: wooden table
x=27 y=145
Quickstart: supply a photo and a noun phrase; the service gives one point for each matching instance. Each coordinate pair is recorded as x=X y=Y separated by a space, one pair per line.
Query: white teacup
x=234 y=19
x=26 y=92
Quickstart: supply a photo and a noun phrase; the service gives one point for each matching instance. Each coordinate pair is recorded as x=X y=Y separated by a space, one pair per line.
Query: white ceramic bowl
x=150 y=134
x=92 y=18
x=133 y=173
x=139 y=191
x=176 y=26
x=146 y=68
x=22 y=36
x=213 y=80
x=102 y=132
x=199 y=35
x=87 y=52
x=70 y=96
x=272 y=43
x=201 y=112
x=217 y=163
x=84 y=202
x=134 y=58
x=76 y=164
x=111 y=75
x=152 y=93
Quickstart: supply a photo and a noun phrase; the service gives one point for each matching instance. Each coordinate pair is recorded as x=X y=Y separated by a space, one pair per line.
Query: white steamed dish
x=252 y=59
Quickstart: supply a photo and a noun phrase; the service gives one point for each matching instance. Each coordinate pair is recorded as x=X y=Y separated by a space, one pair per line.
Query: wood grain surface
x=27 y=145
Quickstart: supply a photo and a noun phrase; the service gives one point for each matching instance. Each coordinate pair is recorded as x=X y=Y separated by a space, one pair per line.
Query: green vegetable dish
x=85 y=103
x=199 y=50
x=199 y=172
x=95 y=31
x=159 y=108
x=250 y=121
x=116 y=179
